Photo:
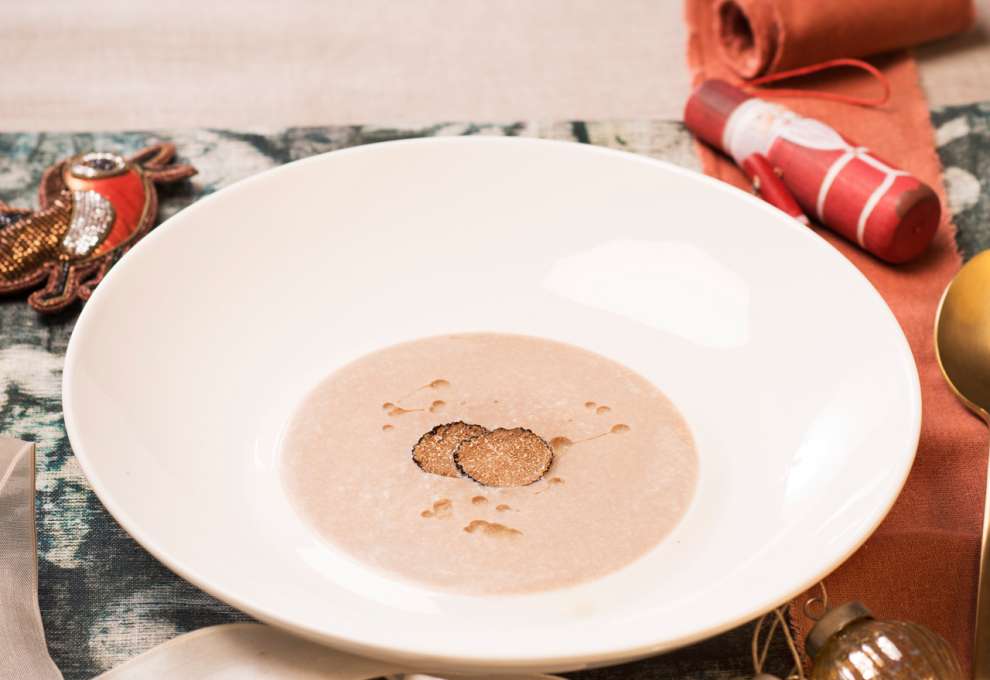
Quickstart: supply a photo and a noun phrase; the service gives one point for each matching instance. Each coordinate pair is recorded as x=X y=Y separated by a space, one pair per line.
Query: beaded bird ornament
x=92 y=209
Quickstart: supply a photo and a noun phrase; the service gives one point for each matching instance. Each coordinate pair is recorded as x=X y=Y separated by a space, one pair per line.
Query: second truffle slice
x=502 y=457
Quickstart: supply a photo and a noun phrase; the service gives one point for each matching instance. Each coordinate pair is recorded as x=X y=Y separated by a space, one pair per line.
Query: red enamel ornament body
x=129 y=195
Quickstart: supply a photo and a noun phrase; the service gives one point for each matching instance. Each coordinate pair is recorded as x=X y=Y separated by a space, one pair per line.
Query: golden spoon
x=962 y=346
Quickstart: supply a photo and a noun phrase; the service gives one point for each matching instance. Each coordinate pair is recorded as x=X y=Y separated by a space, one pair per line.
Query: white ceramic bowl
x=792 y=372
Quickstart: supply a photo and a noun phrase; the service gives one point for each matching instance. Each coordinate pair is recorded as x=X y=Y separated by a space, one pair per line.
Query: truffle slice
x=434 y=452
x=504 y=457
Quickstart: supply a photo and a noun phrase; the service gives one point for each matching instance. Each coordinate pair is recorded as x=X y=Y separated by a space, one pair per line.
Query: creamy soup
x=613 y=461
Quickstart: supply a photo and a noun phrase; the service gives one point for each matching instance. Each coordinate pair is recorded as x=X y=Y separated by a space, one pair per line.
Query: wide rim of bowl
x=488 y=659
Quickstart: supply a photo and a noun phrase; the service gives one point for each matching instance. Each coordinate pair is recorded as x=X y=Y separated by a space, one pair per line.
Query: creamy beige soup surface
x=622 y=474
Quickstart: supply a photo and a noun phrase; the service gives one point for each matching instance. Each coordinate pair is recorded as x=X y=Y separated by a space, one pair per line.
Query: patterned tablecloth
x=103 y=598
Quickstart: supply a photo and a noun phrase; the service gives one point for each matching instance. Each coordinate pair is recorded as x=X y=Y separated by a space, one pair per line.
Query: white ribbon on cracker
x=756 y=125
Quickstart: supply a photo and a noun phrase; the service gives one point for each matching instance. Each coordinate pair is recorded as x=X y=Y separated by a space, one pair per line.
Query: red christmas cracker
x=887 y=211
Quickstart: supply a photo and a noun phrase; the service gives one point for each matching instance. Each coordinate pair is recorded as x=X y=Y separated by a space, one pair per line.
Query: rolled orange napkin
x=756 y=37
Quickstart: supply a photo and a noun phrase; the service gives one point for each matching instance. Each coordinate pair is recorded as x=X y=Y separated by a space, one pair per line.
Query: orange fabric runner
x=921 y=564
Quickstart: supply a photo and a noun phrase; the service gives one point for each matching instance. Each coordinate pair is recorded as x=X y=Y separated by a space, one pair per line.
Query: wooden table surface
x=260 y=64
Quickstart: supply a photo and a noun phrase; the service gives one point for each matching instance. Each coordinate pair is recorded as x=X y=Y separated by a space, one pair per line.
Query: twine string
x=869 y=102
x=760 y=645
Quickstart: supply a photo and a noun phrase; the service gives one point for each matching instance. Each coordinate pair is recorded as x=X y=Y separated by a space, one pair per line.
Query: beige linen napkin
x=23 y=651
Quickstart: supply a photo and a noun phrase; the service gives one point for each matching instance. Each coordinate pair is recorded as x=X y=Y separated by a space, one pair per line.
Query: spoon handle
x=981 y=646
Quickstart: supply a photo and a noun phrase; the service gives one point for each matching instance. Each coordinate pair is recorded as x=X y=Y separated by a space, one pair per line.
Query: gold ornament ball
x=849 y=644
